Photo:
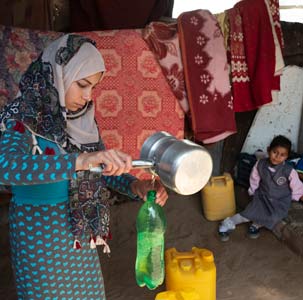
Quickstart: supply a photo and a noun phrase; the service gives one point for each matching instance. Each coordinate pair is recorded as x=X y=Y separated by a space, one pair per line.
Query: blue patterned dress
x=44 y=262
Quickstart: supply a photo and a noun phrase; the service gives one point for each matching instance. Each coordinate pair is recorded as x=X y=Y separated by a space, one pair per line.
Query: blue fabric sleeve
x=19 y=167
x=122 y=184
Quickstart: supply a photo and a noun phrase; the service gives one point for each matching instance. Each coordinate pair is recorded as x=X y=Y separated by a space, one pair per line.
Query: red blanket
x=252 y=52
x=206 y=76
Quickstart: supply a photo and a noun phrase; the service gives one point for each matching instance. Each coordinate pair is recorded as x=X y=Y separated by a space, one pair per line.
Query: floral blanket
x=207 y=76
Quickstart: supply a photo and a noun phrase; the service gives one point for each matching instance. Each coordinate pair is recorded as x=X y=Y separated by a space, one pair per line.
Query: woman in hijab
x=49 y=142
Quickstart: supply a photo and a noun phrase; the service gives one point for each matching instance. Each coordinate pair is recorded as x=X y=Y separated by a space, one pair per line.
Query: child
x=273 y=184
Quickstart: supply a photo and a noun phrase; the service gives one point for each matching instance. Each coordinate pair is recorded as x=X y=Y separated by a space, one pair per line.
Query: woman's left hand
x=141 y=187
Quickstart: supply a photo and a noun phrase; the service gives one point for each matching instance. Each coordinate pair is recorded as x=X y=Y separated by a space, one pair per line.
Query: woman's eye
x=81 y=85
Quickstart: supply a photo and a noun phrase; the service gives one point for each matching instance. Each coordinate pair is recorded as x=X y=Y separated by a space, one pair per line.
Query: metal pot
x=182 y=165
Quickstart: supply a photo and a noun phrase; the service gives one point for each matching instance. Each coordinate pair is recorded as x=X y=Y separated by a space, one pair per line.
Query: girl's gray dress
x=271 y=201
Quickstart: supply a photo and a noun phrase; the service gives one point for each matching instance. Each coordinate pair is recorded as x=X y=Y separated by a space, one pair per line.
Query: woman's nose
x=87 y=96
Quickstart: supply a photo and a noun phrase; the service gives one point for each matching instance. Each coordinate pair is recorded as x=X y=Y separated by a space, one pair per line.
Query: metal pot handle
x=136 y=164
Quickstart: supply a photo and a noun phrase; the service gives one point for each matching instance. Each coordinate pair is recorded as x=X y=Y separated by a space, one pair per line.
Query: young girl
x=273 y=184
x=49 y=142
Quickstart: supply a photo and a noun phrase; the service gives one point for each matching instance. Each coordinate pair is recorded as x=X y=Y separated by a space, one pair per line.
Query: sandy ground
x=247 y=269
x=262 y=269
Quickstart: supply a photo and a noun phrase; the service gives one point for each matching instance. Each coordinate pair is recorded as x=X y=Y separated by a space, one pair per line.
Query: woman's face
x=80 y=92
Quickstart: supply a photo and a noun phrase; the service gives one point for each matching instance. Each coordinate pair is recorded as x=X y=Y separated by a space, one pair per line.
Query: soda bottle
x=151 y=225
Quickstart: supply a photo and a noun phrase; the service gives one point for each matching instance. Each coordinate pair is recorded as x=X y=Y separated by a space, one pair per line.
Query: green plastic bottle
x=151 y=225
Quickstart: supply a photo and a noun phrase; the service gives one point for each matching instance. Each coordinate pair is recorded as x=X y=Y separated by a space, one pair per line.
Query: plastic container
x=218 y=198
x=193 y=272
x=186 y=294
x=151 y=225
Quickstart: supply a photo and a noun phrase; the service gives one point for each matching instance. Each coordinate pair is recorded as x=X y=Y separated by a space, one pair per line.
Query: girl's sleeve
x=19 y=167
x=295 y=185
x=254 y=180
x=122 y=184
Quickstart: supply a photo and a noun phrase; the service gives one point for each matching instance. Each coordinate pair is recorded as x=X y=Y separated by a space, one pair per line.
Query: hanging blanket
x=206 y=76
x=255 y=42
x=162 y=39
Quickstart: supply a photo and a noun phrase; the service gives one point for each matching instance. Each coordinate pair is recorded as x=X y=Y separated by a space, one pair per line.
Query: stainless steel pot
x=182 y=166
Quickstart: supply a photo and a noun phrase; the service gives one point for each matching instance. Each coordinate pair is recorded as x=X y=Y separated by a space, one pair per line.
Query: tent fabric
x=116 y=14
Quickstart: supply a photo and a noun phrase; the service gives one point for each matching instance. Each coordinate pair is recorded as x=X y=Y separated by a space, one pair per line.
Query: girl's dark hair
x=280 y=141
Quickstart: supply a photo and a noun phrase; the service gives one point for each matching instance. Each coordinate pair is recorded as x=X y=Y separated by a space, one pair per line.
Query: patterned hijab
x=40 y=103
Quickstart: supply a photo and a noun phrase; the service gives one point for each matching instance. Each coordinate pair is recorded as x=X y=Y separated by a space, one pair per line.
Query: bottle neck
x=151 y=196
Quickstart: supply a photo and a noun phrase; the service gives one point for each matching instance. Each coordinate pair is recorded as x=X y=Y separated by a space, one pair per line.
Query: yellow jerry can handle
x=217 y=178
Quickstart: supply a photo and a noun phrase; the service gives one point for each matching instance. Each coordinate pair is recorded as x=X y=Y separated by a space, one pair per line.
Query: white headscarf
x=86 y=62
x=40 y=103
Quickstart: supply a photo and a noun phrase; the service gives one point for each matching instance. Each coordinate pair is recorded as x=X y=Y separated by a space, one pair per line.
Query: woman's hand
x=141 y=187
x=114 y=162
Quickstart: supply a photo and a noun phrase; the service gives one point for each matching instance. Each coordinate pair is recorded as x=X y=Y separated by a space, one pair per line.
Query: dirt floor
x=262 y=269
x=246 y=269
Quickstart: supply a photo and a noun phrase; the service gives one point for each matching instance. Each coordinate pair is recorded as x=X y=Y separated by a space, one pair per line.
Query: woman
x=59 y=209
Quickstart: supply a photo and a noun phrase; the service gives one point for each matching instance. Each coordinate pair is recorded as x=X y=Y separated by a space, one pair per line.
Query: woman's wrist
x=79 y=162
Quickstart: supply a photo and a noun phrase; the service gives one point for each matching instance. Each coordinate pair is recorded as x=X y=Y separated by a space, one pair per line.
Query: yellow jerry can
x=186 y=294
x=193 y=272
x=218 y=198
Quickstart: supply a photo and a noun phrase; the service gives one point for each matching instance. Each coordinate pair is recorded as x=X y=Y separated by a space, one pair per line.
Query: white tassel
x=101 y=242
x=92 y=243
x=106 y=248
x=98 y=240
x=2 y=127
x=36 y=146
x=77 y=244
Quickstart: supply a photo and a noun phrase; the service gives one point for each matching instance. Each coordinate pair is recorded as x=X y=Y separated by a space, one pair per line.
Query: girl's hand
x=141 y=187
x=114 y=162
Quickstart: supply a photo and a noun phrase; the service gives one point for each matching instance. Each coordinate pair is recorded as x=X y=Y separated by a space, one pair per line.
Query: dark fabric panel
x=117 y=14
x=293 y=43
x=233 y=144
